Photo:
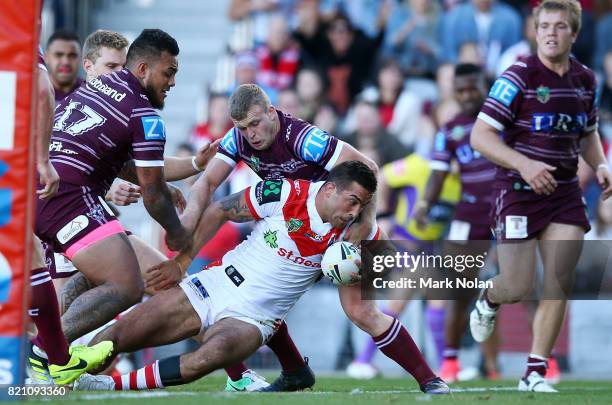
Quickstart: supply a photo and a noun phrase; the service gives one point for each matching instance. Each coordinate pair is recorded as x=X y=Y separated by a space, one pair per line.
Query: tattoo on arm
x=236 y=208
x=75 y=286
x=128 y=172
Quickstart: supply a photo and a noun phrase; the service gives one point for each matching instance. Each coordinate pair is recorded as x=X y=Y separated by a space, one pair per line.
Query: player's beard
x=154 y=98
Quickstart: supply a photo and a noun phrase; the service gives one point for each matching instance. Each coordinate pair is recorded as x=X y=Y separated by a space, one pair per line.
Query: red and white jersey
x=281 y=258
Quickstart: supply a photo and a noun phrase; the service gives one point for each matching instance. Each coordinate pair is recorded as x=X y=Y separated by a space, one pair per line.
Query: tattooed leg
x=74 y=287
x=111 y=265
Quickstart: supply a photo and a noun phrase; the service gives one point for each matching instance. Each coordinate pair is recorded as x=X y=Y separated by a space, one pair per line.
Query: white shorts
x=213 y=300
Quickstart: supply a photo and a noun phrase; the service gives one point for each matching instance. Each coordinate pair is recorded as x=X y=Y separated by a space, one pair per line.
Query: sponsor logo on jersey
x=292 y=257
x=546 y=122
x=229 y=143
x=293 y=225
x=57 y=146
x=288 y=132
x=268 y=191
x=296 y=185
x=504 y=91
x=465 y=154
x=439 y=146
x=109 y=91
x=154 y=128
x=72 y=228
x=271 y=239
x=314 y=145
x=543 y=94
x=314 y=236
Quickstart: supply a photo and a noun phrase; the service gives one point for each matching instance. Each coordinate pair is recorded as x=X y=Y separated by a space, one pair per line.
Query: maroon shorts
x=522 y=215
x=471 y=222
x=74 y=212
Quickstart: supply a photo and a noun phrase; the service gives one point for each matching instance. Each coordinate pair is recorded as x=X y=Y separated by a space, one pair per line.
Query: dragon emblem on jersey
x=293 y=225
x=270 y=238
x=543 y=94
x=253 y=163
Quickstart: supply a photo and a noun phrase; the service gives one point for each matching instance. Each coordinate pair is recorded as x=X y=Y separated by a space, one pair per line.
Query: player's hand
x=539 y=176
x=49 y=179
x=205 y=153
x=163 y=276
x=356 y=277
x=178 y=239
x=178 y=199
x=123 y=193
x=604 y=178
x=421 y=216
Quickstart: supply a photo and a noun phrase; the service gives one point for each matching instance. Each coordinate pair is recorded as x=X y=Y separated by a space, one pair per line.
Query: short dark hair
x=150 y=44
x=345 y=173
x=244 y=97
x=63 y=35
x=466 y=69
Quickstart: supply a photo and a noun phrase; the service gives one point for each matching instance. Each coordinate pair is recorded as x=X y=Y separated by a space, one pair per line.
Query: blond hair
x=244 y=97
x=572 y=7
x=102 y=38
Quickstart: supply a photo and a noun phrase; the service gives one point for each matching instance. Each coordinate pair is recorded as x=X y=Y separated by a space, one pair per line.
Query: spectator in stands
x=371 y=139
x=327 y=119
x=247 y=66
x=217 y=123
x=289 y=102
x=603 y=40
x=605 y=100
x=278 y=57
x=494 y=26
x=521 y=49
x=412 y=36
x=62 y=57
x=310 y=88
x=257 y=13
x=361 y=12
x=344 y=53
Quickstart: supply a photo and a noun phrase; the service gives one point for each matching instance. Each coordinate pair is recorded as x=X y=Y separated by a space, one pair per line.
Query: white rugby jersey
x=281 y=258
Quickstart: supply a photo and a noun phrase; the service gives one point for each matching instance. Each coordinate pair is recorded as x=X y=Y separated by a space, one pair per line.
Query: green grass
x=337 y=390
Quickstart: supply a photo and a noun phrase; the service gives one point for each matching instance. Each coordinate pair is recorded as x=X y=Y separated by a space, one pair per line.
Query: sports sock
x=397 y=344
x=451 y=353
x=283 y=347
x=235 y=372
x=162 y=373
x=44 y=311
x=435 y=319
x=536 y=363
x=368 y=352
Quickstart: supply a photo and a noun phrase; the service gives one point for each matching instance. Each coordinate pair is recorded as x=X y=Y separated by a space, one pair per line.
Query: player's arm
x=44 y=123
x=350 y=153
x=592 y=153
x=486 y=139
x=179 y=168
x=158 y=202
x=430 y=197
x=201 y=192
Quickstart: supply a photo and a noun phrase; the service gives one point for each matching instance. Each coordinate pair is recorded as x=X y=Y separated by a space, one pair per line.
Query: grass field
x=337 y=390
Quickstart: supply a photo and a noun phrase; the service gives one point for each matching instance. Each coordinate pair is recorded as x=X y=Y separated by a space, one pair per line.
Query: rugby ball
x=339 y=262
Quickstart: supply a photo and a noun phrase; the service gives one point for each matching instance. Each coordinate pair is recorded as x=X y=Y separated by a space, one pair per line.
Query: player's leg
x=226 y=342
x=391 y=338
x=514 y=281
x=63 y=366
x=165 y=318
x=111 y=265
x=147 y=256
x=560 y=247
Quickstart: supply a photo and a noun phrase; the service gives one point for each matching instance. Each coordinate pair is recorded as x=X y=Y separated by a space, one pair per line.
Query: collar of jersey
x=316 y=223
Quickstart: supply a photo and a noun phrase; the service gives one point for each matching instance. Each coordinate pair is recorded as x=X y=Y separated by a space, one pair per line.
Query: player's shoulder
x=585 y=73
x=122 y=90
x=229 y=142
x=305 y=140
x=277 y=191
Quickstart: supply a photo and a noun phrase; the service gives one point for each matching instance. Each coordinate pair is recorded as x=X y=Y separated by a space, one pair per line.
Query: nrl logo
x=543 y=94
x=458 y=132
x=253 y=163
x=293 y=225
x=270 y=238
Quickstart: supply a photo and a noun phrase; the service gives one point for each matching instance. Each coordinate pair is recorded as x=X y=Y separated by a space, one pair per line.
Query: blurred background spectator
x=217 y=122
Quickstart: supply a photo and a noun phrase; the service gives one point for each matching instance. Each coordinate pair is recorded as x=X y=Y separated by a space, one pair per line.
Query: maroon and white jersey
x=300 y=151
x=543 y=115
x=103 y=124
x=41 y=60
x=476 y=173
x=60 y=95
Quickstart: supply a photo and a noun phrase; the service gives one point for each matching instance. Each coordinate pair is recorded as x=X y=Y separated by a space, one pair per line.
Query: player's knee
x=131 y=292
